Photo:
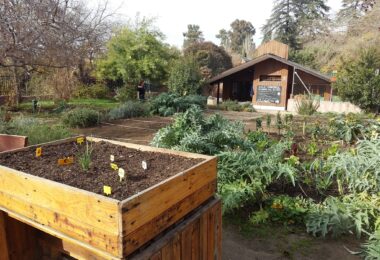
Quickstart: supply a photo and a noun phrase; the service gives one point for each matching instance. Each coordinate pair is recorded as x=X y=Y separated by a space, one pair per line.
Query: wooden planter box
x=105 y=227
x=198 y=236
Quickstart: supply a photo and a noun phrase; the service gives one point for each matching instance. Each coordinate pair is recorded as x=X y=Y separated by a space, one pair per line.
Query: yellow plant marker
x=121 y=173
x=114 y=166
x=66 y=161
x=107 y=190
x=80 y=140
x=38 y=151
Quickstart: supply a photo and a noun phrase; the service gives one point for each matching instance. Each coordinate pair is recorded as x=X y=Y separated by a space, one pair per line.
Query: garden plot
x=113 y=213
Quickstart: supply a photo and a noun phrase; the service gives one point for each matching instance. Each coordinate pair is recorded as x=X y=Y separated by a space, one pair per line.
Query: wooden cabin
x=269 y=80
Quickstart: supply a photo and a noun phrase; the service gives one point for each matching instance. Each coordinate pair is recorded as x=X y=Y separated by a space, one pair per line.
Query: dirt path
x=271 y=244
x=138 y=131
x=276 y=244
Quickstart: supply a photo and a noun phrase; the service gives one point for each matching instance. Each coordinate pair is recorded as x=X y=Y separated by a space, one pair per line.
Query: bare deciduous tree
x=49 y=34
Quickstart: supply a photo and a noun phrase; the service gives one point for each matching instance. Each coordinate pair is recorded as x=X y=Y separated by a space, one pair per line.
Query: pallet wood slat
x=189 y=238
x=105 y=227
x=4 y=252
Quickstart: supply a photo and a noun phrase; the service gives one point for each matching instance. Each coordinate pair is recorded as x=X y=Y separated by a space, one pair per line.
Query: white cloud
x=174 y=16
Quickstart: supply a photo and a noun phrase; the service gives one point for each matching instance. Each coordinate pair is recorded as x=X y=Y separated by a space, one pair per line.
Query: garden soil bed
x=160 y=167
x=68 y=202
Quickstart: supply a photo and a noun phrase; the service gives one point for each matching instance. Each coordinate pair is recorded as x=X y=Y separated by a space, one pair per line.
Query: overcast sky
x=174 y=16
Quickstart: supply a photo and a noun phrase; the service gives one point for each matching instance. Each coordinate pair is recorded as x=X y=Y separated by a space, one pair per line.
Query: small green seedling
x=84 y=158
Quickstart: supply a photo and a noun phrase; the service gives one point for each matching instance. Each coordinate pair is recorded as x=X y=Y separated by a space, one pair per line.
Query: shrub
x=167 y=104
x=358 y=81
x=36 y=130
x=283 y=209
x=231 y=105
x=125 y=93
x=372 y=247
x=306 y=105
x=185 y=77
x=355 y=213
x=192 y=132
x=94 y=91
x=81 y=117
x=129 y=109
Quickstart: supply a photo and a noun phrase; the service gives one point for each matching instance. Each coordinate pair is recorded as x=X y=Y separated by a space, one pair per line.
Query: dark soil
x=160 y=167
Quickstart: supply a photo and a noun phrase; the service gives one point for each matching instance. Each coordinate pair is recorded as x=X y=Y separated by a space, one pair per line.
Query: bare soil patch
x=160 y=167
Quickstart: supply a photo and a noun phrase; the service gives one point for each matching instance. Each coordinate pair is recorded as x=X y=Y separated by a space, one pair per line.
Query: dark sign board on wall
x=270 y=94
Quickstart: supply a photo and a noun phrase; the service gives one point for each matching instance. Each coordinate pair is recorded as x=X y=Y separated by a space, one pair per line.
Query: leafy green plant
x=81 y=117
x=250 y=172
x=259 y=124
x=312 y=148
x=93 y=91
x=306 y=105
x=125 y=94
x=330 y=151
x=185 y=77
x=357 y=170
x=167 y=104
x=279 y=122
x=354 y=213
x=352 y=128
x=268 y=121
x=85 y=158
x=231 y=105
x=371 y=249
x=192 y=132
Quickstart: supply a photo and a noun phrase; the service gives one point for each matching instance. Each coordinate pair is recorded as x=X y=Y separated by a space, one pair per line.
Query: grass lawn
x=51 y=106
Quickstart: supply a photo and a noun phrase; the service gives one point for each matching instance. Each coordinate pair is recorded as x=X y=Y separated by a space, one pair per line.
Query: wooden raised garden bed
x=140 y=207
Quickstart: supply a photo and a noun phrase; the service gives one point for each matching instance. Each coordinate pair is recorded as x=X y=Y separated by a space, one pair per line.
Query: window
x=270 y=78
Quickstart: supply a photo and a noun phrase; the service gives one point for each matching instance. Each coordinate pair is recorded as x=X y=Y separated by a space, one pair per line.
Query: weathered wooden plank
x=22 y=244
x=55 y=246
x=4 y=252
x=152 y=149
x=186 y=237
x=63 y=208
x=203 y=229
x=156 y=256
x=211 y=234
x=179 y=243
x=218 y=230
x=195 y=241
x=63 y=237
x=171 y=215
x=176 y=247
x=138 y=209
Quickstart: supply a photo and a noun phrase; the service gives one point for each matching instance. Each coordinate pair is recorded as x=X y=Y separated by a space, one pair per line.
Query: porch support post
x=218 y=93
x=292 y=94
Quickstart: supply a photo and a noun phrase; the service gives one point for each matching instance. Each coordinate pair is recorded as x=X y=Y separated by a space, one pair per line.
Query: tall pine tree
x=193 y=35
x=292 y=19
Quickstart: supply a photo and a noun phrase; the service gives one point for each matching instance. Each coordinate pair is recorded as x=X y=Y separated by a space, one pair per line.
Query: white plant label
x=121 y=173
x=112 y=158
x=144 y=165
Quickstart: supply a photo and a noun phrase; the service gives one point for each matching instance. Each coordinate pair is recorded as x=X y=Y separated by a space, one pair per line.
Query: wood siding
x=273 y=47
x=273 y=68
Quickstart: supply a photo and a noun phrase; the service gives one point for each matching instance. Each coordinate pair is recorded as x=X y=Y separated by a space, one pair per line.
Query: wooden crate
x=198 y=236
x=108 y=228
